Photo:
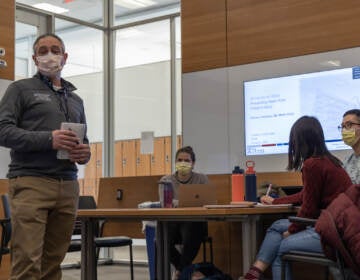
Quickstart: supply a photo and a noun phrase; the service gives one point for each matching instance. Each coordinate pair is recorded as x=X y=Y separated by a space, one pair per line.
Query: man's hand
x=64 y=140
x=80 y=153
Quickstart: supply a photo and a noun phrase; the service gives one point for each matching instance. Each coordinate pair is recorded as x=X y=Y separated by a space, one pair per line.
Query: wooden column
x=7 y=38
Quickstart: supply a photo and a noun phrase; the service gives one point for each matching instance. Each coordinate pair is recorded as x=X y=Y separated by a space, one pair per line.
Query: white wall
x=213 y=121
x=206 y=119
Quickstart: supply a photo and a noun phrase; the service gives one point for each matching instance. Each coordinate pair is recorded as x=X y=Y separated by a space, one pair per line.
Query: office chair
x=315 y=258
x=88 y=202
x=6 y=227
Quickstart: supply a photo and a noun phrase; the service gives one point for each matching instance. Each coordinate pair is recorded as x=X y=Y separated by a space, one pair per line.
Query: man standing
x=43 y=189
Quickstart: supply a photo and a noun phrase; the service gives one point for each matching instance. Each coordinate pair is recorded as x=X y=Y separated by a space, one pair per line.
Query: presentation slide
x=271 y=106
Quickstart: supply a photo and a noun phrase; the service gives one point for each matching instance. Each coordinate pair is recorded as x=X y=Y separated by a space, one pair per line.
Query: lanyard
x=62 y=98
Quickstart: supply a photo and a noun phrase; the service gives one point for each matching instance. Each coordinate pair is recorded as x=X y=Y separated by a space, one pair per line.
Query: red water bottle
x=237 y=184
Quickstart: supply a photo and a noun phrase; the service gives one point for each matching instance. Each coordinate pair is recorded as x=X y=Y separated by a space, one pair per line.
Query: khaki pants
x=43 y=211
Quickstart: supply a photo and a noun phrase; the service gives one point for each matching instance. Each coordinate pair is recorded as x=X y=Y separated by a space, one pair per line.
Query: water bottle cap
x=250 y=165
x=237 y=170
x=163 y=182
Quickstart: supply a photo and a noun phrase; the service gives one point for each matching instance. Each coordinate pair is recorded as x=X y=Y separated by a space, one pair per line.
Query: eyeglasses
x=347 y=125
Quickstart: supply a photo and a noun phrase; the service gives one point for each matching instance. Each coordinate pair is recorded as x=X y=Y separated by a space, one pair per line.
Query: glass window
x=142 y=81
x=178 y=77
x=84 y=68
x=142 y=94
x=126 y=11
x=86 y=10
x=25 y=37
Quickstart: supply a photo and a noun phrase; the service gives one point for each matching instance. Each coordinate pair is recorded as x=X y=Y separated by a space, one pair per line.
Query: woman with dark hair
x=323 y=179
x=187 y=234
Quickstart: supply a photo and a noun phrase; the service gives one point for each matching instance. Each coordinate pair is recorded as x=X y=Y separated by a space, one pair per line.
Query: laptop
x=196 y=195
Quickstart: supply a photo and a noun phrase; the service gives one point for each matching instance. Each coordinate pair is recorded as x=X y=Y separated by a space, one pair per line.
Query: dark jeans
x=189 y=235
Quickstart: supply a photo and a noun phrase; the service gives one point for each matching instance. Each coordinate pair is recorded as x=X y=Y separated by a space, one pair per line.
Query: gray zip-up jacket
x=29 y=111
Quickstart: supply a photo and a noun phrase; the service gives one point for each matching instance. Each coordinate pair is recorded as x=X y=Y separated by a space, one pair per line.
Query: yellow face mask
x=349 y=137
x=183 y=167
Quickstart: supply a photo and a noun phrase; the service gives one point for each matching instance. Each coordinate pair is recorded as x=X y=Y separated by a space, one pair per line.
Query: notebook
x=196 y=195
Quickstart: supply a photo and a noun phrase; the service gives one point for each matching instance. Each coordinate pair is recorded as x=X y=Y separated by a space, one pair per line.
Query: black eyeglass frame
x=347 y=125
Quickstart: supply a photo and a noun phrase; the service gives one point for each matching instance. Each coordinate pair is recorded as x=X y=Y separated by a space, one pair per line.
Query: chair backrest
x=85 y=202
x=6 y=205
x=6 y=226
x=7 y=215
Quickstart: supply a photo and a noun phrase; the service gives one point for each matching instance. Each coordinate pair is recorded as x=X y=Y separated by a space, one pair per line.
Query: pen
x=268 y=190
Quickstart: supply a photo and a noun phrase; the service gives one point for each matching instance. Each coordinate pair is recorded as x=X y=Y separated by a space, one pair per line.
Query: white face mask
x=50 y=64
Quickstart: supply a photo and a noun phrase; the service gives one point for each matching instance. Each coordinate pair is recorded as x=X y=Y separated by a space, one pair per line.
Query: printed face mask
x=349 y=137
x=50 y=64
x=183 y=167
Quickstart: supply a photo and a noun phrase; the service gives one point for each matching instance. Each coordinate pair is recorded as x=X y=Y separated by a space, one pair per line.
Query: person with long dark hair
x=323 y=180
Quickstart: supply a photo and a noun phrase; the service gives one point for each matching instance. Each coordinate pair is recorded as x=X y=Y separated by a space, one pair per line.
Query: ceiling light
x=332 y=63
x=134 y=4
x=50 y=8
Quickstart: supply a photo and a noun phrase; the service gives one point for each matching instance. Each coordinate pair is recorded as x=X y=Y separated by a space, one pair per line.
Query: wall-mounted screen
x=273 y=105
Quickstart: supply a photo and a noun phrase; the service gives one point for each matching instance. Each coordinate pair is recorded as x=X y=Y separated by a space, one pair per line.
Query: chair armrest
x=300 y=220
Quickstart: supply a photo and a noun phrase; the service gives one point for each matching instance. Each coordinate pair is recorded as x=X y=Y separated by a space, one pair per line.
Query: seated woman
x=188 y=234
x=323 y=179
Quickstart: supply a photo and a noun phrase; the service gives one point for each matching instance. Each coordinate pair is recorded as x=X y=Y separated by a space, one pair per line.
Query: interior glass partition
x=143 y=74
x=86 y=10
x=84 y=68
x=142 y=96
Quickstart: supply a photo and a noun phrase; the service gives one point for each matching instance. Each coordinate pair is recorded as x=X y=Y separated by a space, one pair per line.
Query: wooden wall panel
x=167 y=158
x=118 y=164
x=142 y=161
x=90 y=168
x=5 y=267
x=260 y=30
x=7 y=38
x=157 y=163
x=203 y=25
x=280 y=179
x=129 y=157
x=99 y=160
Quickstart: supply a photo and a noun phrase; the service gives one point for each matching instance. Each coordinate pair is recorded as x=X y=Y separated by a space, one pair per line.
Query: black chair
x=315 y=258
x=6 y=227
x=88 y=202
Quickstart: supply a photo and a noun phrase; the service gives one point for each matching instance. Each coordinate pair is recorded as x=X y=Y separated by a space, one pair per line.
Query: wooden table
x=247 y=216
